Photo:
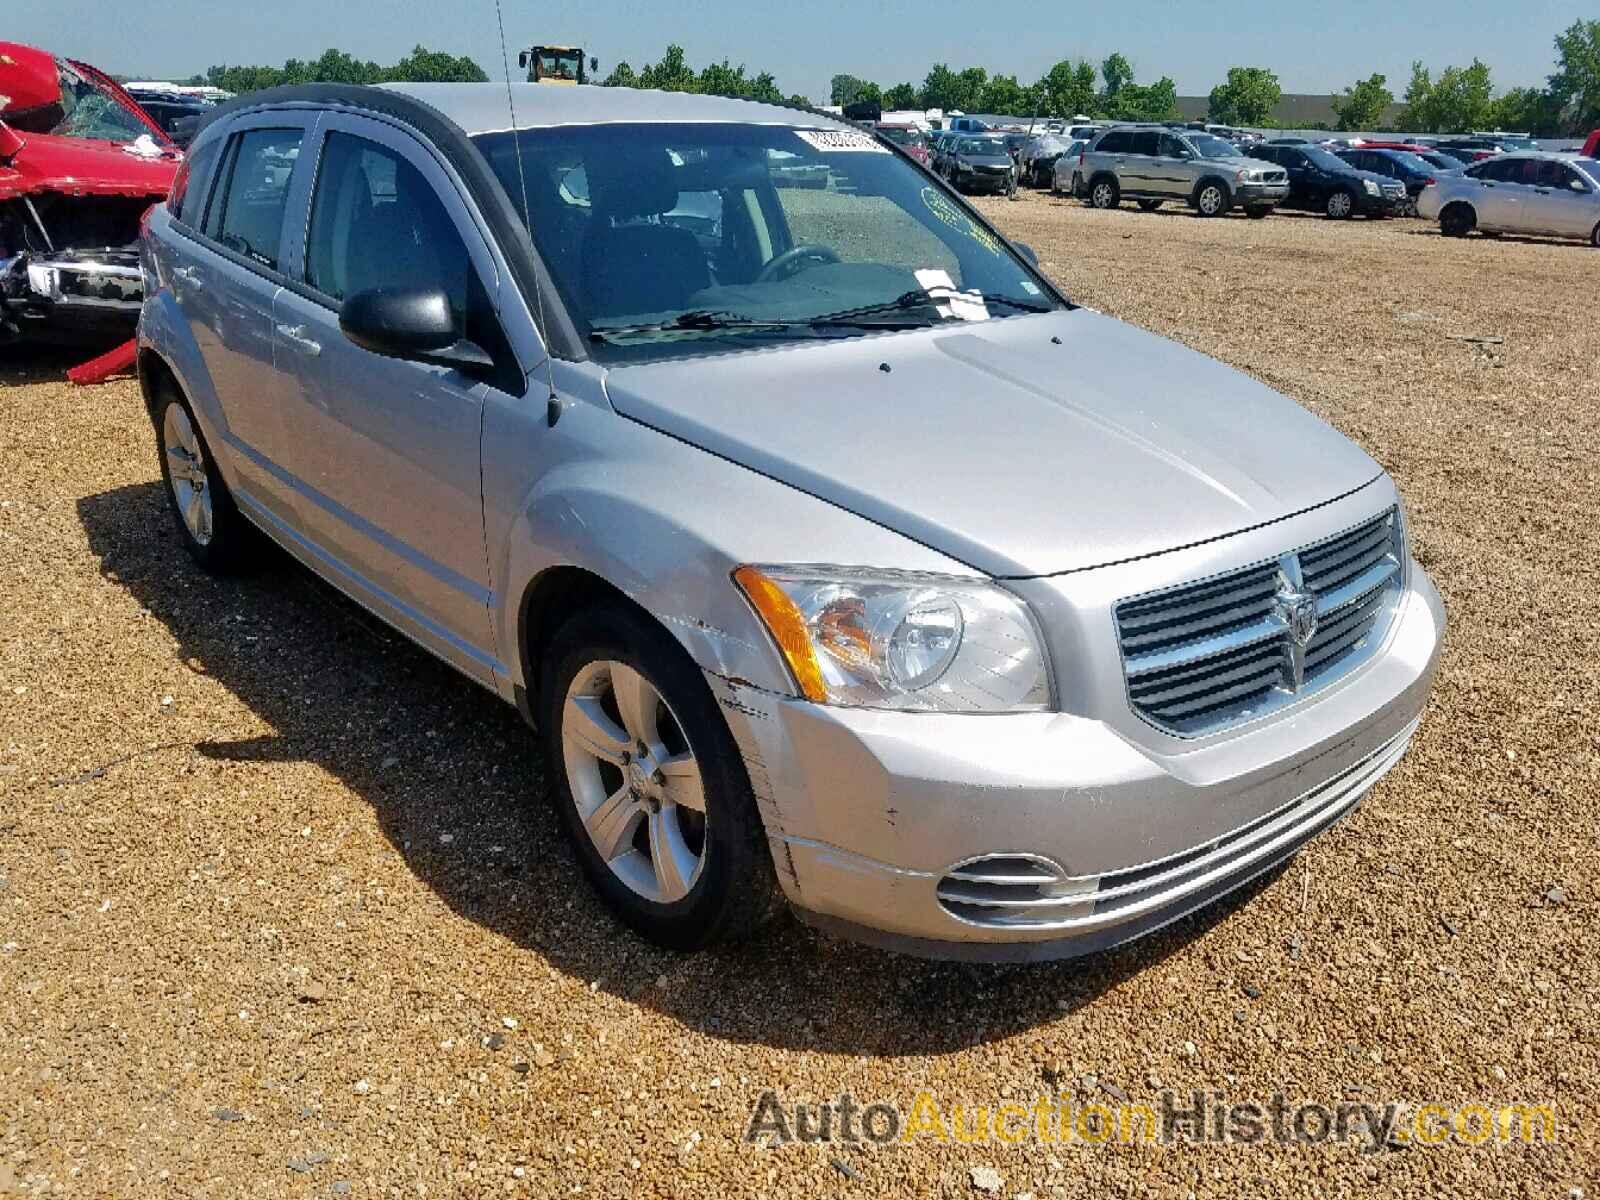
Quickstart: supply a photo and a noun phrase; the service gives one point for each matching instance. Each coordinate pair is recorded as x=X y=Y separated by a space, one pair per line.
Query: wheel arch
x=548 y=601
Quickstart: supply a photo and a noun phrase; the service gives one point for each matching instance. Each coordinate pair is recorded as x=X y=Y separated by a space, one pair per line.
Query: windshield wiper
x=918 y=298
x=696 y=319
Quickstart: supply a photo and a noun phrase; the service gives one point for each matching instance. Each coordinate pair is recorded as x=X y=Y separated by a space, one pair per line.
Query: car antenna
x=554 y=401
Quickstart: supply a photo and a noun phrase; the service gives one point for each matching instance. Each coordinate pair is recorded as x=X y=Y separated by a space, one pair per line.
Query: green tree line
x=1454 y=100
x=335 y=66
x=1073 y=87
x=674 y=74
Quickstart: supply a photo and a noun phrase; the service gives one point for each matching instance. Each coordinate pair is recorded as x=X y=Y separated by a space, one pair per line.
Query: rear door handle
x=295 y=335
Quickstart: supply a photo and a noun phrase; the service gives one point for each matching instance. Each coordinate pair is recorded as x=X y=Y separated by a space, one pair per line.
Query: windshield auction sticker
x=839 y=140
x=939 y=205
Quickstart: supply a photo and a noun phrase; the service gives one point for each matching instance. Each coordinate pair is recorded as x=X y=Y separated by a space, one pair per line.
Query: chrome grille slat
x=1187 y=683
x=1349 y=560
x=1203 y=655
x=1211 y=647
x=1213 y=622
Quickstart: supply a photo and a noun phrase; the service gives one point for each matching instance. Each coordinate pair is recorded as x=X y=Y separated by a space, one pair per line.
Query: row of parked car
x=1491 y=184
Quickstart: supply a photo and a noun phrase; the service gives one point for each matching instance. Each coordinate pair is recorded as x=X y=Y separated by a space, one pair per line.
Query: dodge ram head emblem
x=1299 y=611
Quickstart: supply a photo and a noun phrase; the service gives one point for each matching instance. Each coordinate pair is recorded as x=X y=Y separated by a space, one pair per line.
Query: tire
x=1340 y=205
x=1256 y=213
x=1594 y=237
x=682 y=877
x=1104 y=193
x=1211 y=199
x=1150 y=205
x=216 y=536
x=1457 y=220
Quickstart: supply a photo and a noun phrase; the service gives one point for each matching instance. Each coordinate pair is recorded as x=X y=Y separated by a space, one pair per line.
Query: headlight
x=1372 y=186
x=891 y=640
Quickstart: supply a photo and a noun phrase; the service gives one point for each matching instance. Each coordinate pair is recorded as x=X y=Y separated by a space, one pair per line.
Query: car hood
x=86 y=167
x=1003 y=448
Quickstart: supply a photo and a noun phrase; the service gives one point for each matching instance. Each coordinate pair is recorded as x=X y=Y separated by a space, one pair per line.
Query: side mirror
x=1577 y=186
x=413 y=323
x=1027 y=252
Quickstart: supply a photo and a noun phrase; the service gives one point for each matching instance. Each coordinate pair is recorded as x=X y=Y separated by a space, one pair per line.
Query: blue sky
x=1313 y=47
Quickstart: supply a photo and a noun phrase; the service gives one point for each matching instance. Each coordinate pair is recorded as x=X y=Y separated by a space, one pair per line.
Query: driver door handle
x=295 y=335
x=190 y=276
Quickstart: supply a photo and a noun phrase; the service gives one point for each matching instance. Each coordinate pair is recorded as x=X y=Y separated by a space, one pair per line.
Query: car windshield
x=89 y=111
x=981 y=147
x=902 y=137
x=1213 y=147
x=1411 y=162
x=1445 y=162
x=667 y=238
x=1318 y=157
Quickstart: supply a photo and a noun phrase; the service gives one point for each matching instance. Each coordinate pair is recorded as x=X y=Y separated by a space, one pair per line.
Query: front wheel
x=1594 y=237
x=650 y=783
x=1340 y=206
x=1211 y=200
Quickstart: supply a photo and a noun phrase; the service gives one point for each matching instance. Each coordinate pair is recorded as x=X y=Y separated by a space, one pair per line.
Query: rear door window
x=1146 y=142
x=246 y=215
x=1115 y=143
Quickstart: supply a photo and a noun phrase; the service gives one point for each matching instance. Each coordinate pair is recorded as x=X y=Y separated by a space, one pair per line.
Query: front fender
x=663 y=522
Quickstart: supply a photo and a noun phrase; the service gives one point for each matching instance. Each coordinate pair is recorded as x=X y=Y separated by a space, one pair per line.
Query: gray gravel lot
x=280 y=914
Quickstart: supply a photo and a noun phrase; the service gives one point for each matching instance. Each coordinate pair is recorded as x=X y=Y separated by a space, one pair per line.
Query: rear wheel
x=1212 y=200
x=1150 y=205
x=1457 y=220
x=1104 y=193
x=213 y=532
x=1594 y=237
x=1341 y=204
x=650 y=783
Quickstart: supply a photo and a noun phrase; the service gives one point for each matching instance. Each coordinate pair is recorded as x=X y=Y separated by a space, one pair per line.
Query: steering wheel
x=795 y=260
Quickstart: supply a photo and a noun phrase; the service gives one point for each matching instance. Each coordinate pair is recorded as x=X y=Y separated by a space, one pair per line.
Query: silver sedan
x=1557 y=195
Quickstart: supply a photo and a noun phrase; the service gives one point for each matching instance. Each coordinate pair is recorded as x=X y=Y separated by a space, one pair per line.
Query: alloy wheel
x=1102 y=195
x=1339 y=205
x=634 y=780
x=186 y=468
x=1211 y=200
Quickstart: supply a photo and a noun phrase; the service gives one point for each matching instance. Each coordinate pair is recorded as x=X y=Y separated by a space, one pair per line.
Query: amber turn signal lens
x=784 y=621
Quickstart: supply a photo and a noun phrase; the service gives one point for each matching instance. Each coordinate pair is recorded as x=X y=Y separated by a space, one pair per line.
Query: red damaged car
x=80 y=163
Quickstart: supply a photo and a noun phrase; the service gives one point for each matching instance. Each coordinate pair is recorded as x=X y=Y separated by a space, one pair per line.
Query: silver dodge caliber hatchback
x=835 y=555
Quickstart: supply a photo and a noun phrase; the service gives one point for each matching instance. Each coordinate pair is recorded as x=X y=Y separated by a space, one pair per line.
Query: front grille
x=1205 y=655
x=1274 y=176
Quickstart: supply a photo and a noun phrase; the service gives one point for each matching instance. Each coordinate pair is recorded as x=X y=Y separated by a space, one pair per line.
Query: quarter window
x=246 y=215
x=376 y=222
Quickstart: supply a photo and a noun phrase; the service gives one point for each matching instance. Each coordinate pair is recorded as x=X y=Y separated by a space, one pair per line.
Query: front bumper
x=874 y=816
x=1253 y=193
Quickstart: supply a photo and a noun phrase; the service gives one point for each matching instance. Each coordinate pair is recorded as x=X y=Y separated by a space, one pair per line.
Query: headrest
x=642 y=185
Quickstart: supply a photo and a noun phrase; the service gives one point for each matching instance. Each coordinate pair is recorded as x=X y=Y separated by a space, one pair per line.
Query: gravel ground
x=279 y=918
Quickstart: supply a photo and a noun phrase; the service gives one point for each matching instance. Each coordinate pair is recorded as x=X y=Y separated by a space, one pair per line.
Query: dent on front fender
x=664 y=523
